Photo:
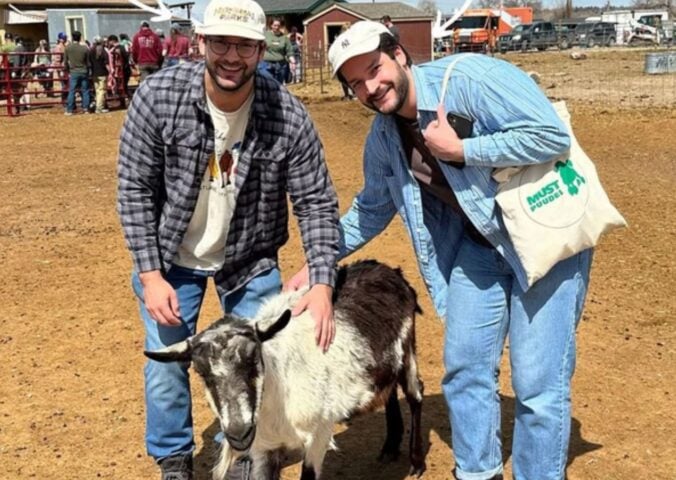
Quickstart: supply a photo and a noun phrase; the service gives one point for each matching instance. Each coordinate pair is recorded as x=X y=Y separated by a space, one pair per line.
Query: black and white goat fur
x=271 y=386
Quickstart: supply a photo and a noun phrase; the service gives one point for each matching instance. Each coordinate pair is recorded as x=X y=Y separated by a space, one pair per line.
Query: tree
x=428 y=6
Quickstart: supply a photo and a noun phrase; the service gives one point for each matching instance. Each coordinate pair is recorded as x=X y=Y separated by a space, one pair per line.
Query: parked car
x=596 y=33
x=566 y=31
x=540 y=35
x=512 y=40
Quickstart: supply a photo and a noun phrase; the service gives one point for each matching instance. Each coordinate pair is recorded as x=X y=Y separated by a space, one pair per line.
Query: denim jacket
x=514 y=125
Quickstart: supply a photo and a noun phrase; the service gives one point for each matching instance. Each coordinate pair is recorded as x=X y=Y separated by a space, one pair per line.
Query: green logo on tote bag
x=569 y=176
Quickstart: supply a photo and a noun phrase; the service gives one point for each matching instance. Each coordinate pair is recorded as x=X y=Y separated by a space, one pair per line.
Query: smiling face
x=230 y=61
x=275 y=26
x=380 y=82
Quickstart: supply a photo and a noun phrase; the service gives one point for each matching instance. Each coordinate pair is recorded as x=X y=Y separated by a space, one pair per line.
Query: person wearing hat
x=439 y=180
x=146 y=51
x=208 y=153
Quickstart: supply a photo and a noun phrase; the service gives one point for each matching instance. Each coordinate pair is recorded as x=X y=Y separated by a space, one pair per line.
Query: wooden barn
x=292 y=13
x=415 y=27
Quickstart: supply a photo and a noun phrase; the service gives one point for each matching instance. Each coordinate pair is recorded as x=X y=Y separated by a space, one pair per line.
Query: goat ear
x=275 y=328
x=178 y=352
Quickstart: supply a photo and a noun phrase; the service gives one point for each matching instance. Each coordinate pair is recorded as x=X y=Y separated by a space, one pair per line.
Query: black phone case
x=462 y=125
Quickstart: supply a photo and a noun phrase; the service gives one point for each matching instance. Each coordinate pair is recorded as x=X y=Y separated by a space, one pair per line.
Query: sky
x=446 y=6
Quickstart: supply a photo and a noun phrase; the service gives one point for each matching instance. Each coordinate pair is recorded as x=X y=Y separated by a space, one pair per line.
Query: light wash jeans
x=169 y=429
x=485 y=305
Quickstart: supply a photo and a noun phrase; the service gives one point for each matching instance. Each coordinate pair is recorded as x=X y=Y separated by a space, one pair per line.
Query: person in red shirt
x=146 y=51
x=176 y=48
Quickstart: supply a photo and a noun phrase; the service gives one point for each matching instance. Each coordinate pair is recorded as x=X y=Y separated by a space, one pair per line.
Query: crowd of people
x=106 y=64
x=76 y=66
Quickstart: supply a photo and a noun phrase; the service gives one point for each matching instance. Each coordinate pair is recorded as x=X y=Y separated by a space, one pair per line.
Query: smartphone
x=462 y=125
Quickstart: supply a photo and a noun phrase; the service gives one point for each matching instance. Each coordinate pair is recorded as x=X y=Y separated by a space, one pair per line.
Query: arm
x=288 y=50
x=372 y=209
x=158 y=49
x=525 y=128
x=140 y=170
x=134 y=49
x=315 y=204
x=520 y=124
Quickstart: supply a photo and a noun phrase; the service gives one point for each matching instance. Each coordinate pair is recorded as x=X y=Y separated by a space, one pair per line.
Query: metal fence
x=604 y=76
x=613 y=77
x=26 y=85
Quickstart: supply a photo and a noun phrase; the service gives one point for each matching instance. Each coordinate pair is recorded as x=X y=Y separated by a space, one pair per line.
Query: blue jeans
x=169 y=429
x=81 y=81
x=485 y=305
x=277 y=70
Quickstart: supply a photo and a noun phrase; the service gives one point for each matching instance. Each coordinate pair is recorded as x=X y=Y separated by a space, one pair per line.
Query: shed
x=293 y=12
x=415 y=26
x=34 y=20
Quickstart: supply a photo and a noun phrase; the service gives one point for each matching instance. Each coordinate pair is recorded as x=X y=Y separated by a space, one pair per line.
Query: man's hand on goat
x=318 y=301
x=299 y=280
x=160 y=299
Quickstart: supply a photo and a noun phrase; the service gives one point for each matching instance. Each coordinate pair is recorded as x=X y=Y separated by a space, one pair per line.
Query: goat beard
x=226 y=459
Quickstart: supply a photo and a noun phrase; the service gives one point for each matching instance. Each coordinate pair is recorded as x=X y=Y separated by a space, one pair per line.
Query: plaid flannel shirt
x=166 y=142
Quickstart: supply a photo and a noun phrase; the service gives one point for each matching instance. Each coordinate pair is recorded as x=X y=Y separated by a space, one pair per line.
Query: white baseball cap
x=236 y=18
x=362 y=37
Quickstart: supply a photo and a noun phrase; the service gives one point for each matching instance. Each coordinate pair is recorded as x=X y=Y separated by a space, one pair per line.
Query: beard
x=230 y=85
x=400 y=86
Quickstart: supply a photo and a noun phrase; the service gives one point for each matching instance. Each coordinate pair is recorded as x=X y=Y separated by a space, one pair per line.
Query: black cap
x=145 y=24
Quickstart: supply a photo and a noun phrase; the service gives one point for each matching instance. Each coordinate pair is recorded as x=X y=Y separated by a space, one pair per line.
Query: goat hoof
x=417 y=469
x=388 y=456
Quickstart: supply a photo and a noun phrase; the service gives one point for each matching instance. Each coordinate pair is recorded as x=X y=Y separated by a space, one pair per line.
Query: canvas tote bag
x=553 y=210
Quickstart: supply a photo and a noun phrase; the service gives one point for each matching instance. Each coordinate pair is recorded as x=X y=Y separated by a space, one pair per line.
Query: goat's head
x=228 y=357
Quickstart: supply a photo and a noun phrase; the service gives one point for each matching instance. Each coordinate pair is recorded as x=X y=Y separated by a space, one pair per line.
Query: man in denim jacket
x=416 y=165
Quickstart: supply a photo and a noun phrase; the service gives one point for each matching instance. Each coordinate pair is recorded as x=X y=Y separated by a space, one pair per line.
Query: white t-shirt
x=203 y=246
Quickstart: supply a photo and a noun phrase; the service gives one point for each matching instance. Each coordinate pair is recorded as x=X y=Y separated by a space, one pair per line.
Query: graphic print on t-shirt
x=226 y=167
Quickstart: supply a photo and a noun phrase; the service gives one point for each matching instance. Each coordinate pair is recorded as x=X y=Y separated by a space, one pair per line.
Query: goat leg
x=413 y=390
x=395 y=429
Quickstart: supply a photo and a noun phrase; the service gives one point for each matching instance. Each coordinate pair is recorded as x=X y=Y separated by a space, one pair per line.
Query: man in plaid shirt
x=208 y=153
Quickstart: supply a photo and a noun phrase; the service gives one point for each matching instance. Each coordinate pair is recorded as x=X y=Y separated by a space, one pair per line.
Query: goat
x=271 y=386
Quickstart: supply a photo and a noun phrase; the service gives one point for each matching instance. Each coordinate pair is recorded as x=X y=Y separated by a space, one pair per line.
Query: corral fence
x=27 y=85
x=616 y=76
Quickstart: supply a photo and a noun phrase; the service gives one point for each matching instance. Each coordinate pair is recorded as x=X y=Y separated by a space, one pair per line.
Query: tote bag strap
x=447 y=75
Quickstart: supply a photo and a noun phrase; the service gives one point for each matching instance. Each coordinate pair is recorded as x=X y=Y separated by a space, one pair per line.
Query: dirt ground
x=71 y=401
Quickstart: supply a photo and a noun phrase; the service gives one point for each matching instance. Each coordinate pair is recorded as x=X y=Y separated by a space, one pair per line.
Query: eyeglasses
x=220 y=47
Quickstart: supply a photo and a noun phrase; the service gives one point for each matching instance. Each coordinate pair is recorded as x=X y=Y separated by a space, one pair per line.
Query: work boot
x=177 y=467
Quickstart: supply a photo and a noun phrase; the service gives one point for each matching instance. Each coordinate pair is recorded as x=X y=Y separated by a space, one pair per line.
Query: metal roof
x=72 y=3
x=396 y=10
x=280 y=7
